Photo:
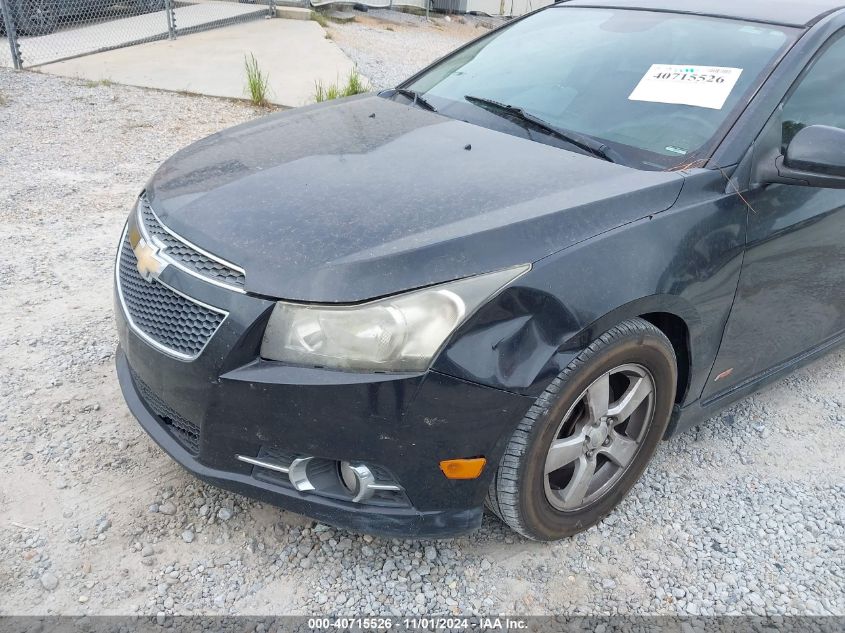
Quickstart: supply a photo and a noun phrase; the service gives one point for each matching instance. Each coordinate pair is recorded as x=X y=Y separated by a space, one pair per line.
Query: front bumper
x=369 y=519
x=190 y=369
x=403 y=424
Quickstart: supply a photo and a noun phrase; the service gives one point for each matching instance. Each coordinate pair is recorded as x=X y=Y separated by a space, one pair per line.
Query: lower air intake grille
x=174 y=322
x=183 y=431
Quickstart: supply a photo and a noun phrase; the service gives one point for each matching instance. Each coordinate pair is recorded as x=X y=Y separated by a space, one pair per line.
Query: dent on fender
x=527 y=335
x=531 y=337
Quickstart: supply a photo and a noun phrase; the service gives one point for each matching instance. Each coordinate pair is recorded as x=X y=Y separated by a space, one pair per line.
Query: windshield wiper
x=586 y=143
x=417 y=98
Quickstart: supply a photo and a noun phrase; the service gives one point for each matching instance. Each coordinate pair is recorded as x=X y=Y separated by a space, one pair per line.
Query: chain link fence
x=36 y=32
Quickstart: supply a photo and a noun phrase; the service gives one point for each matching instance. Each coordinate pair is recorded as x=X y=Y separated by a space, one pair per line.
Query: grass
x=325 y=93
x=412 y=10
x=354 y=86
x=320 y=19
x=89 y=83
x=3 y=100
x=256 y=81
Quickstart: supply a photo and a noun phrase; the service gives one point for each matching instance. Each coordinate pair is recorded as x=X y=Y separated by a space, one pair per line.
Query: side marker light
x=463 y=468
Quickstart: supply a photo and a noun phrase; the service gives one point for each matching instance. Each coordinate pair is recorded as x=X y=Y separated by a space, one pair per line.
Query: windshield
x=655 y=87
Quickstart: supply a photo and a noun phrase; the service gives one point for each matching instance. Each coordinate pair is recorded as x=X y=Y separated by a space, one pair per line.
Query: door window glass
x=820 y=97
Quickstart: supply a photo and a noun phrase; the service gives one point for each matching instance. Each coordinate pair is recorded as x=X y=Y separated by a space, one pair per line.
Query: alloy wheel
x=598 y=438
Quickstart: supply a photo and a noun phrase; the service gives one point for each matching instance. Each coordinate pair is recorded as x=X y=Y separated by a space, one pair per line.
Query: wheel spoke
x=598 y=398
x=574 y=493
x=640 y=388
x=563 y=452
x=621 y=449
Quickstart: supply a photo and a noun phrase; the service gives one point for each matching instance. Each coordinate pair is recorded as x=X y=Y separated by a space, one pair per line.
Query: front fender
x=684 y=262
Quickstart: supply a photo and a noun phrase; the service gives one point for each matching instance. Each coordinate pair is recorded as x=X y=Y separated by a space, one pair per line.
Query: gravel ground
x=743 y=515
x=389 y=46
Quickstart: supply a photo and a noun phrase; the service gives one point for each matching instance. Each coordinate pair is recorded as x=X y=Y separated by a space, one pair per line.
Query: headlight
x=399 y=333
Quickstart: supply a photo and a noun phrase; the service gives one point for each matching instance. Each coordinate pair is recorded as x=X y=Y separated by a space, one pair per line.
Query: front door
x=791 y=295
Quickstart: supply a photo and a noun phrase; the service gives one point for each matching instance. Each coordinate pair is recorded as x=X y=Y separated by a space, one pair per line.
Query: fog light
x=357 y=479
x=348 y=477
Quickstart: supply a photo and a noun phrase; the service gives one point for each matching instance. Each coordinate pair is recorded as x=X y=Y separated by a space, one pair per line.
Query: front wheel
x=588 y=438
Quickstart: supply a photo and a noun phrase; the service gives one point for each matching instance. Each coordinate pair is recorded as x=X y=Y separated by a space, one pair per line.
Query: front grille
x=174 y=322
x=185 y=255
x=183 y=431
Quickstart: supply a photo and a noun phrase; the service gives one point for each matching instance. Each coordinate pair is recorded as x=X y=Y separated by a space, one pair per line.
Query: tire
x=537 y=487
x=36 y=17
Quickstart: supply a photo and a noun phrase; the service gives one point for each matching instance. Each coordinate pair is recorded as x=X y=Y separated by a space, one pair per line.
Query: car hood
x=362 y=198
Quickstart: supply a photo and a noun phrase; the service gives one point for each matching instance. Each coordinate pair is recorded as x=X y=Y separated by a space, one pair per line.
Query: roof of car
x=784 y=12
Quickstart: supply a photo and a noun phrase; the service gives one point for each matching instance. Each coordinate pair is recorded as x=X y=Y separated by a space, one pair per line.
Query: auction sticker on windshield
x=702 y=86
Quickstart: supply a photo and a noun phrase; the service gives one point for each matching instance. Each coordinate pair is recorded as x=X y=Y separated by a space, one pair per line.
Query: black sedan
x=503 y=282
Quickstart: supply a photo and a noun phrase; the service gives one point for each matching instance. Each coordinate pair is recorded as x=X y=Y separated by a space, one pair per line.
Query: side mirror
x=817 y=149
x=814 y=158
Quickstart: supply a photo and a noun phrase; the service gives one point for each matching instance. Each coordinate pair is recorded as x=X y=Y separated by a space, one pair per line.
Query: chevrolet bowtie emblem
x=149 y=264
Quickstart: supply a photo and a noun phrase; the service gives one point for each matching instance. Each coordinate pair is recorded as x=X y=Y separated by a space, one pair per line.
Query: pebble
x=49 y=581
x=408 y=49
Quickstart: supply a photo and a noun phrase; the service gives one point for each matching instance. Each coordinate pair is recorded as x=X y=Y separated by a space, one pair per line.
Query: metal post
x=427 y=5
x=12 y=34
x=171 y=19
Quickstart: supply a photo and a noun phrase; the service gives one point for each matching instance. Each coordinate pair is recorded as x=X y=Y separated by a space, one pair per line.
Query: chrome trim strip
x=263 y=464
x=200 y=250
x=299 y=474
x=143 y=335
x=177 y=264
x=365 y=479
x=388 y=487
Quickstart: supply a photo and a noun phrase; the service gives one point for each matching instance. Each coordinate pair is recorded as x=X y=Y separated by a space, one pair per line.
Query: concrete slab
x=295 y=54
x=293 y=13
x=103 y=34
